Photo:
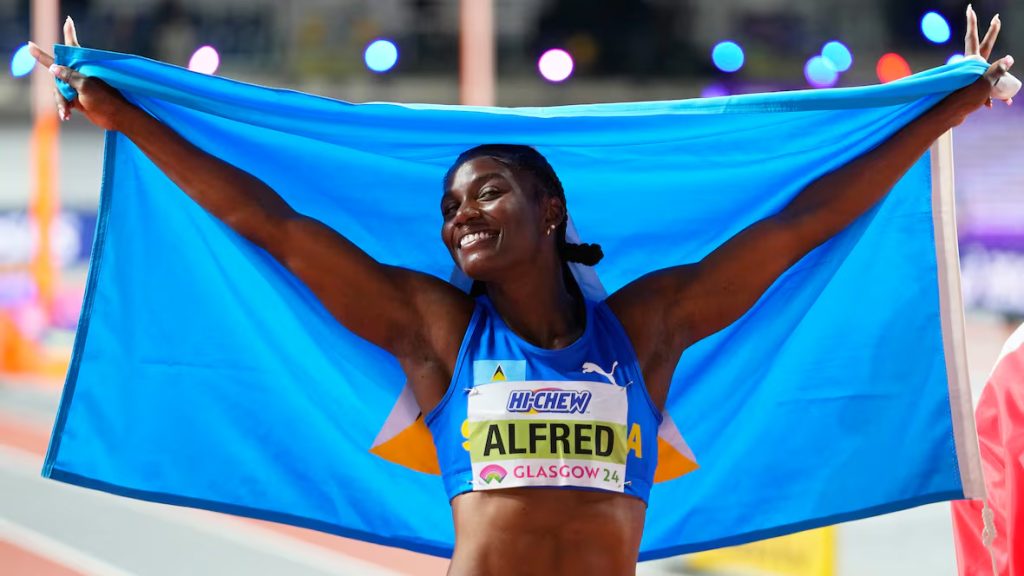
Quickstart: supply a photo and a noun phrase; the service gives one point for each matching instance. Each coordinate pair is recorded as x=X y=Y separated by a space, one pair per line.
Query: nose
x=467 y=212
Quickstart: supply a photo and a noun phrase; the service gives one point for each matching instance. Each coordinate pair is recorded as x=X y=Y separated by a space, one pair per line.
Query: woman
x=605 y=366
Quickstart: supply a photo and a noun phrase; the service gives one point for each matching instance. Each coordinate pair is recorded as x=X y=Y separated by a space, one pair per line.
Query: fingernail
x=54 y=69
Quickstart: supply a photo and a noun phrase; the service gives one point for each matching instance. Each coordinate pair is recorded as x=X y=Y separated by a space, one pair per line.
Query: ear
x=554 y=212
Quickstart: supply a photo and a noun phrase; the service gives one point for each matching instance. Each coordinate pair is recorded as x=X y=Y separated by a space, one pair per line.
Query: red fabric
x=1000 y=420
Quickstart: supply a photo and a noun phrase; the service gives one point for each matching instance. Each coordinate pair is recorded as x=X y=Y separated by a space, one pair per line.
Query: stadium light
x=838 y=54
x=205 y=60
x=381 y=55
x=821 y=72
x=22 y=62
x=891 y=67
x=727 y=56
x=935 y=28
x=555 y=65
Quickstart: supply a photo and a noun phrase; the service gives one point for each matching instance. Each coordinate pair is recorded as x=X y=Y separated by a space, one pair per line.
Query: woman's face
x=493 y=220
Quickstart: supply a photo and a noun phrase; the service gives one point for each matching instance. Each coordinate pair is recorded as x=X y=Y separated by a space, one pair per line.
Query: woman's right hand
x=98 y=102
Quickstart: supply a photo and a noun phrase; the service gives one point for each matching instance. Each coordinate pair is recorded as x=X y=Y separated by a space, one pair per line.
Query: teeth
x=474 y=237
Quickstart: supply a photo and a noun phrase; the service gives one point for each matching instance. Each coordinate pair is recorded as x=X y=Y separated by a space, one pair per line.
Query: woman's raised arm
x=414 y=316
x=666 y=311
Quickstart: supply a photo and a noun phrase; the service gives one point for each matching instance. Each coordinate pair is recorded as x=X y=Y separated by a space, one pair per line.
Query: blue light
x=935 y=28
x=955 y=58
x=820 y=72
x=727 y=56
x=838 y=54
x=22 y=62
x=381 y=55
x=714 y=91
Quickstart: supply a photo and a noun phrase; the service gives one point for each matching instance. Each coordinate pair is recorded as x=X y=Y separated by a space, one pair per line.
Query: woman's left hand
x=983 y=49
x=979 y=93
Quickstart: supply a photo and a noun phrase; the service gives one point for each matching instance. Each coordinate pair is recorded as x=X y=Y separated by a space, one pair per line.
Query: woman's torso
x=547 y=455
x=542 y=531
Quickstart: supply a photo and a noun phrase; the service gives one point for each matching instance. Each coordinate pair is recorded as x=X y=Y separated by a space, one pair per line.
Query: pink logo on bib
x=493 y=472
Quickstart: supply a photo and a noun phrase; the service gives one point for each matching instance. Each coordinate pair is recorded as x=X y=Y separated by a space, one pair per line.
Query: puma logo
x=591 y=368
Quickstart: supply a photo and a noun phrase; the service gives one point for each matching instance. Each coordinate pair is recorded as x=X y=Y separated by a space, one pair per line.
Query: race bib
x=548 y=434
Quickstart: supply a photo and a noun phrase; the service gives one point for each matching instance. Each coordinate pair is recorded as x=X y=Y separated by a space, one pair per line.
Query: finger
x=989 y=41
x=73 y=78
x=70 y=34
x=40 y=55
x=998 y=69
x=63 y=107
x=971 y=38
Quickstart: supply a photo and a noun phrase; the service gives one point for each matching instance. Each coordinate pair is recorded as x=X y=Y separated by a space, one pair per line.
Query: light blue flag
x=205 y=375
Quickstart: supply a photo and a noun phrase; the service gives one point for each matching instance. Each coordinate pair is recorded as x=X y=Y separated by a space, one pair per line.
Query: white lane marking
x=221 y=526
x=18 y=460
x=267 y=540
x=56 y=551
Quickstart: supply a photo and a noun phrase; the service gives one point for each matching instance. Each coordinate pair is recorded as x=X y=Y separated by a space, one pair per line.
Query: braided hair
x=519 y=157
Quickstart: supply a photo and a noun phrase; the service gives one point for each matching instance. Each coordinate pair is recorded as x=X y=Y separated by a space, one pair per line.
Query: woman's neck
x=540 y=309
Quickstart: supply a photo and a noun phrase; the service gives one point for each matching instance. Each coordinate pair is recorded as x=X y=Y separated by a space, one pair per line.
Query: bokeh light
x=22 y=62
x=935 y=28
x=838 y=54
x=891 y=67
x=555 y=65
x=955 y=58
x=727 y=56
x=714 y=91
x=820 y=72
x=205 y=60
x=381 y=55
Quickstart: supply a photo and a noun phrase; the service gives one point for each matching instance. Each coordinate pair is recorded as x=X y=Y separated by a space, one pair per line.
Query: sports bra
x=518 y=415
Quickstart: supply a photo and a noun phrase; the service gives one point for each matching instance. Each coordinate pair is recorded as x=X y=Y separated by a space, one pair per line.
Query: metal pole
x=44 y=202
x=476 y=47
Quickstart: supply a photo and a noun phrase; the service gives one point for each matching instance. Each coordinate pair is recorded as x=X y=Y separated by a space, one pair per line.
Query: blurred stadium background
x=546 y=52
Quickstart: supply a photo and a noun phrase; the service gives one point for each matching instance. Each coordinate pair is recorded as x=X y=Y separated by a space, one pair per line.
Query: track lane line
x=56 y=551
x=19 y=561
x=23 y=445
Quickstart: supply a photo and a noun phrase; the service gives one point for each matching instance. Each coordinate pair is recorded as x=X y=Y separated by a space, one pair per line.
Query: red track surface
x=19 y=561
x=18 y=433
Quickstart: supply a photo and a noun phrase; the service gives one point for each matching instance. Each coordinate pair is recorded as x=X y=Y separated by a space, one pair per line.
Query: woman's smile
x=476 y=238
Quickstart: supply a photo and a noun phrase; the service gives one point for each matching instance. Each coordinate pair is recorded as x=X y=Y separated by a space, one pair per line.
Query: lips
x=472 y=238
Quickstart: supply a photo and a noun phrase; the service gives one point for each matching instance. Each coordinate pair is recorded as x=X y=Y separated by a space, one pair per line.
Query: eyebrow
x=485 y=176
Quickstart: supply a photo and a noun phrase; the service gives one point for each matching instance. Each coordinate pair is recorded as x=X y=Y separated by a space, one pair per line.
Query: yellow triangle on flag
x=499 y=375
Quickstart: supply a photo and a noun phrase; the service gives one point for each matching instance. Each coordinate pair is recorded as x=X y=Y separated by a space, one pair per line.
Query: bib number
x=570 y=434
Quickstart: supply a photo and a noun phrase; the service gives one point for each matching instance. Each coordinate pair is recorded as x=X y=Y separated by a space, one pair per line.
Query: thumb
x=1004 y=85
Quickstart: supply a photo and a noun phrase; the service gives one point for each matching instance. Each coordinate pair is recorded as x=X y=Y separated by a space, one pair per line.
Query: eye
x=489 y=193
x=448 y=209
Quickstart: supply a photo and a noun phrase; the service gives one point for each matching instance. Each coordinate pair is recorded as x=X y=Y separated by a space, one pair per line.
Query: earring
x=551 y=229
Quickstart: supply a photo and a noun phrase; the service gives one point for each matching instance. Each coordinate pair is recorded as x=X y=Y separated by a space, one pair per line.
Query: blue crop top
x=519 y=415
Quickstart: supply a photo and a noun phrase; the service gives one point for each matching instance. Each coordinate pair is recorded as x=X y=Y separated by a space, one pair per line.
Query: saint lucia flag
x=205 y=375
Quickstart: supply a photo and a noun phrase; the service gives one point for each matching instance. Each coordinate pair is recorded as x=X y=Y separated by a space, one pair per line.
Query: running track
x=48 y=528
x=51 y=529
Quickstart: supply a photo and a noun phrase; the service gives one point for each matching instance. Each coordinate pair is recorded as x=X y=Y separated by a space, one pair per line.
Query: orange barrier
x=24 y=356
x=44 y=205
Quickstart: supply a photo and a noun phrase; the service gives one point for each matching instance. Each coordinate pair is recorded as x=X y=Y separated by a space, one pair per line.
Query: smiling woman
x=476 y=197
